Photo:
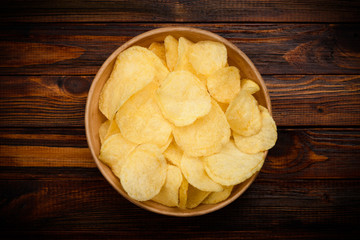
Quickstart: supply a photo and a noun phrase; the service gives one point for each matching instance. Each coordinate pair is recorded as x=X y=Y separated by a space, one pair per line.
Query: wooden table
x=308 y=53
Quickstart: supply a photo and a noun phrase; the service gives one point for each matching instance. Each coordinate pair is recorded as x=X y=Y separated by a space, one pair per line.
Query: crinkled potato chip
x=103 y=130
x=113 y=129
x=263 y=140
x=134 y=68
x=224 y=84
x=249 y=86
x=216 y=197
x=140 y=119
x=194 y=172
x=231 y=166
x=183 y=98
x=183 y=193
x=114 y=151
x=195 y=197
x=159 y=50
x=173 y=154
x=207 y=57
x=171 y=51
x=243 y=114
x=169 y=193
x=205 y=136
x=144 y=173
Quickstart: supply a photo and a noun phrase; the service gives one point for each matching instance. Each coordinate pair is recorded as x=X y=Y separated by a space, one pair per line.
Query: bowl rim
x=128 y=44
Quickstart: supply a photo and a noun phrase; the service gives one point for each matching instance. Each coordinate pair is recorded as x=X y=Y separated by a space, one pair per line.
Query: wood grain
x=276 y=233
x=80 y=49
x=91 y=205
x=297 y=100
x=180 y=11
x=298 y=154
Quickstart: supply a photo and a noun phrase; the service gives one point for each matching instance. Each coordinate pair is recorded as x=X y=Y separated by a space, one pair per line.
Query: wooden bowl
x=94 y=118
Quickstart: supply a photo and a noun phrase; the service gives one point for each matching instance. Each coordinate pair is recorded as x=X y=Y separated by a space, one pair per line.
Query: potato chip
x=166 y=145
x=140 y=119
x=114 y=151
x=207 y=57
x=134 y=68
x=182 y=98
x=195 y=197
x=183 y=193
x=171 y=51
x=144 y=173
x=169 y=193
x=173 y=154
x=224 y=84
x=263 y=140
x=159 y=50
x=182 y=62
x=231 y=166
x=194 y=172
x=243 y=114
x=113 y=129
x=103 y=130
x=216 y=197
x=249 y=86
x=205 y=136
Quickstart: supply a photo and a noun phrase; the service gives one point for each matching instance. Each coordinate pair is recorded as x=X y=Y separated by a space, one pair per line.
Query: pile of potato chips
x=182 y=128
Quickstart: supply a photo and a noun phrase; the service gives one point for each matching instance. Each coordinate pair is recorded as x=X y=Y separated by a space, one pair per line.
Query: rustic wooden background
x=308 y=52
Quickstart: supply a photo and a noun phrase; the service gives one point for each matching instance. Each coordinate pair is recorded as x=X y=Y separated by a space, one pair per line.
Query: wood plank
x=315 y=100
x=47 y=101
x=298 y=154
x=80 y=49
x=276 y=233
x=180 y=11
x=297 y=100
x=88 y=205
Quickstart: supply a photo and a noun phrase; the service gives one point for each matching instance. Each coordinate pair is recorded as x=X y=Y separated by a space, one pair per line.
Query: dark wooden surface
x=308 y=53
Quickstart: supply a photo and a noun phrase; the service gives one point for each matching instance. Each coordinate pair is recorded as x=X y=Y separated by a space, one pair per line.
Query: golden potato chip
x=159 y=50
x=194 y=172
x=114 y=151
x=263 y=140
x=243 y=114
x=144 y=173
x=249 y=86
x=182 y=62
x=171 y=51
x=182 y=98
x=224 y=84
x=231 y=166
x=207 y=57
x=173 y=154
x=195 y=197
x=183 y=193
x=134 y=68
x=205 y=136
x=166 y=145
x=169 y=193
x=113 y=129
x=216 y=197
x=103 y=130
x=140 y=119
